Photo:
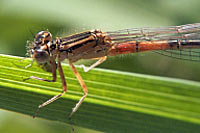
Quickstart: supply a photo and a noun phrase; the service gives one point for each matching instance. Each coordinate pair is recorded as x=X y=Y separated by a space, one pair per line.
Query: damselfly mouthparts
x=176 y=41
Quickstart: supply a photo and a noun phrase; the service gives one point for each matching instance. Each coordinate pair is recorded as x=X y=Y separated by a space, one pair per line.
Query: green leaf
x=117 y=101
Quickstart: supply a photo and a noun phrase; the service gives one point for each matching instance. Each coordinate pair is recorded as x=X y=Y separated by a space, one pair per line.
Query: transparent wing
x=184 y=54
x=168 y=33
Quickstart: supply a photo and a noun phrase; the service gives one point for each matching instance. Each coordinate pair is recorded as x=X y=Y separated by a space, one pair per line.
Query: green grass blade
x=117 y=101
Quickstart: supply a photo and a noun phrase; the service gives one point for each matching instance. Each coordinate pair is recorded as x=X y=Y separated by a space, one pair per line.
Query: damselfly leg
x=101 y=60
x=64 y=84
x=29 y=65
x=53 y=64
x=84 y=87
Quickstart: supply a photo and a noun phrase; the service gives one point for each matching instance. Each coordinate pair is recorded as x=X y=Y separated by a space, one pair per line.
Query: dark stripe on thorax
x=74 y=38
x=78 y=45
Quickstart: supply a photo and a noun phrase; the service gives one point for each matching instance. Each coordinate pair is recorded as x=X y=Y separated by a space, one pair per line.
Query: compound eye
x=38 y=40
x=43 y=37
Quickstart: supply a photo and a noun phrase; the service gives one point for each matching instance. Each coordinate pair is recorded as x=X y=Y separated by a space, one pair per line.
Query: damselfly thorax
x=86 y=45
x=180 y=42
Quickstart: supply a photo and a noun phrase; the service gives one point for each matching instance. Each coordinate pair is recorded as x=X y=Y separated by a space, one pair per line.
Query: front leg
x=29 y=65
x=64 y=85
x=53 y=64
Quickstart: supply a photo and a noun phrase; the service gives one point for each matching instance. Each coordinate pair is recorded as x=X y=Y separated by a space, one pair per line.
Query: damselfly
x=176 y=41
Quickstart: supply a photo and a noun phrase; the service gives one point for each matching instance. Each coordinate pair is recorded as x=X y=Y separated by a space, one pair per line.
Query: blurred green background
x=20 y=19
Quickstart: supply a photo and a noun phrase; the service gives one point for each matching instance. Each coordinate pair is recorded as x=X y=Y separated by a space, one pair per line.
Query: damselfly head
x=42 y=38
x=39 y=48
